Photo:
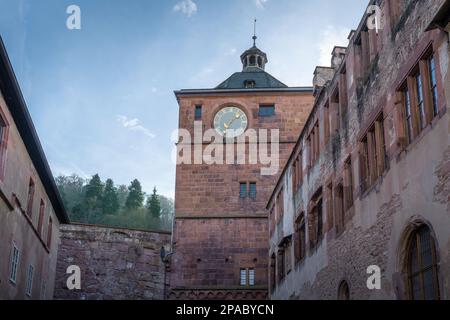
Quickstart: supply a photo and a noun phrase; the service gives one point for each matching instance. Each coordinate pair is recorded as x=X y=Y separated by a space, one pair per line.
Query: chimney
x=322 y=75
x=338 y=56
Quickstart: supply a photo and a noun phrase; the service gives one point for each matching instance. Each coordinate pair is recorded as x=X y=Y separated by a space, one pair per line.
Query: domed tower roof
x=253 y=74
x=254 y=58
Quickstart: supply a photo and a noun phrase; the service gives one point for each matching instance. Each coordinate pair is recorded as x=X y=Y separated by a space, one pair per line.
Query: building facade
x=30 y=207
x=366 y=191
x=220 y=230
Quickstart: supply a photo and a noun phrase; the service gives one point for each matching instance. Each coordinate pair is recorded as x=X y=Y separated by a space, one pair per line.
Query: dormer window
x=249 y=84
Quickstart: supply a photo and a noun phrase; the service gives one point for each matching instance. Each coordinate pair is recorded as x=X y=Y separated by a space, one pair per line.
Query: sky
x=101 y=98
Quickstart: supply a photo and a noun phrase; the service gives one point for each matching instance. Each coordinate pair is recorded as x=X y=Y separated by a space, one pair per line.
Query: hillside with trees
x=93 y=201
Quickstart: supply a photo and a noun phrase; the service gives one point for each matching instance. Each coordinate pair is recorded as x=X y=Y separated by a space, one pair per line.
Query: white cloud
x=231 y=52
x=260 y=3
x=187 y=7
x=331 y=36
x=134 y=125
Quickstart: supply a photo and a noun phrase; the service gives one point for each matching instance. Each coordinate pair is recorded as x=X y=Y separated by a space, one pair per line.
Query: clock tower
x=221 y=237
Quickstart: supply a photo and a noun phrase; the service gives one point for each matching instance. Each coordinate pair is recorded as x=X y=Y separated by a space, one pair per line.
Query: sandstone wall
x=117 y=264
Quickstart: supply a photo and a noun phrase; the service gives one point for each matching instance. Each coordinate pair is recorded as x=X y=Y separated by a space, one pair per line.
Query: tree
x=154 y=205
x=135 y=197
x=122 y=195
x=93 y=199
x=110 y=200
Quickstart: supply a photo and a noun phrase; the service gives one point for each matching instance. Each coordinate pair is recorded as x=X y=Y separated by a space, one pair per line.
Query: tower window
x=252 y=60
x=247 y=277
x=252 y=192
x=243 y=190
x=198 y=112
x=267 y=110
x=260 y=62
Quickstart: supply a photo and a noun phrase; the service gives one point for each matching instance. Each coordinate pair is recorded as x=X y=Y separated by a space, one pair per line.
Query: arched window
x=344 y=291
x=423 y=283
x=260 y=62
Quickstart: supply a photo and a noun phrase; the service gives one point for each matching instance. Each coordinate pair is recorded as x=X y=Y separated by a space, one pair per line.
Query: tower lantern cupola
x=254 y=59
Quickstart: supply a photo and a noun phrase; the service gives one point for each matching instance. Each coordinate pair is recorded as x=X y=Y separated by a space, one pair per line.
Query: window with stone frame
x=422 y=267
x=4 y=129
x=273 y=275
x=198 y=113
x=329 y=206
x=243 y=190
x=372 y=154
x=49 y=232
x=300 y=238
x=252 y=190
x=41 y=217
x=280 y=205
x=287 y=255
x=326 y=122
x=30 y=198
x=366 y=47
x=297 y=173
x=272 y=219
x=343 y=94
x=315 y=219
x=335 y=110
x=419 y=97
x=339 y=207
x=348 y=184
x=313 y=142
x=247 y=277
x=281 y=264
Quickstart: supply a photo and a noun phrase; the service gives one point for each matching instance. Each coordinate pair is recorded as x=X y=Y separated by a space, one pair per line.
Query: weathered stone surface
x=115 y=263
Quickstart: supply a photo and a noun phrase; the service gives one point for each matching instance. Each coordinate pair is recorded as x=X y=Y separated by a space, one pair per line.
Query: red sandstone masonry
x=117 y=264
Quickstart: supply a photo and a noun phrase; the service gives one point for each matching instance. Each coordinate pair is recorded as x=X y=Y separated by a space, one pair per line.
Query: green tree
x=122 y=195
x=135 y=197
x=93 y=199
x=110 y=200
x=154 y=205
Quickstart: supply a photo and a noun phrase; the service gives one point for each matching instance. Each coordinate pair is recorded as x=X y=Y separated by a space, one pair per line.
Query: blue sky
x=101 y=98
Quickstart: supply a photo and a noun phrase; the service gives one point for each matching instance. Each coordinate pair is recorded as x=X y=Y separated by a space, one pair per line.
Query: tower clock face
x=230 y=122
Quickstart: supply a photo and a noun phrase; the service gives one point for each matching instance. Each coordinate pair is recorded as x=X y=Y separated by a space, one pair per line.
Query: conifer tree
x=135 y=197
x=154 y=204
x=110 y=200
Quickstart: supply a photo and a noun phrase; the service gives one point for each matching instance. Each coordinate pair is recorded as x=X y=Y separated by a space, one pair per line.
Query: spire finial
x=254 y=34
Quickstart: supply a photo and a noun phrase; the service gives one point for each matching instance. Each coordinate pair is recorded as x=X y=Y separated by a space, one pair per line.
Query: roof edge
x=183 y=92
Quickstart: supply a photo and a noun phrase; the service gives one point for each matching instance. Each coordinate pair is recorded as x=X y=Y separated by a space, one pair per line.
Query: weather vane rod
x=254 y=34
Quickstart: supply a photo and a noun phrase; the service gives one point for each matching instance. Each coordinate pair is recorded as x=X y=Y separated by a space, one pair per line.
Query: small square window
x=198 y=112
x=266 y=110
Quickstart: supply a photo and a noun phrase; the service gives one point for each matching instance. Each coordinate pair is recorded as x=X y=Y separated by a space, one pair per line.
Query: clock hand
x=236 y=116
